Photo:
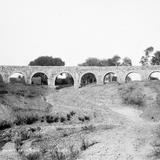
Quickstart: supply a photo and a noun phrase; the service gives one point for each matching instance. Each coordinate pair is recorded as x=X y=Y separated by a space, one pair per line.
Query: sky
x=77 y=29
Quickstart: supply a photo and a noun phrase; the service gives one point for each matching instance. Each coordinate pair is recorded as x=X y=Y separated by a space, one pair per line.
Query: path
x=132 y=141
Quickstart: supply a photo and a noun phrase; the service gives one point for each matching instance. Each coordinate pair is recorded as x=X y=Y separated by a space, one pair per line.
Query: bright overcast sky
x=77 y=29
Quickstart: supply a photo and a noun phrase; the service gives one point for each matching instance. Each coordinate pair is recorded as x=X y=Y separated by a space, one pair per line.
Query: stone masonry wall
x=77 y=72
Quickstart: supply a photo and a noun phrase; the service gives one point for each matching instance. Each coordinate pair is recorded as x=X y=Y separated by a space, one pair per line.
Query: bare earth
x=132 y=141
x=131 y=138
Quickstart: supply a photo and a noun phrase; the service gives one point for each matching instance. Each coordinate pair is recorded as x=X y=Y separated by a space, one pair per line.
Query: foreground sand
x=114 y=132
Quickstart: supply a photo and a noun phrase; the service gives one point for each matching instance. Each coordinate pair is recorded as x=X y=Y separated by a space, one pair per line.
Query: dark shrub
x=86 y=118
x=42 y=119
x=5 y=124
x=52 y=119
x=26 y=119
x=49 y=119
x=68 y=117
x=72 y=113
x=56 y=119
x=31 y=119
x=62 y=119
x=81 y=119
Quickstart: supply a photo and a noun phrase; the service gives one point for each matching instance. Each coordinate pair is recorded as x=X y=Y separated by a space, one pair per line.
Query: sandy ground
x=132 y=141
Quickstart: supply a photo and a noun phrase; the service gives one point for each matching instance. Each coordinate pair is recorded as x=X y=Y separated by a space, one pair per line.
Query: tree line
x=150 y=57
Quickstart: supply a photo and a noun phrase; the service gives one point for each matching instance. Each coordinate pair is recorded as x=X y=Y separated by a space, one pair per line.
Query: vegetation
x=150 y=57
x=47 y=61
x=5 y=124
x=131 y=94
x=114 y=61
x=126 y=62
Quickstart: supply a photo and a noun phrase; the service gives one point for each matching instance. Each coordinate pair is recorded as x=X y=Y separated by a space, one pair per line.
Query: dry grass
x=132 y=94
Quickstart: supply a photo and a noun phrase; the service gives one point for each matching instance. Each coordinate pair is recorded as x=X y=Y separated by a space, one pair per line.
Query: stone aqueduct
x=77 y=72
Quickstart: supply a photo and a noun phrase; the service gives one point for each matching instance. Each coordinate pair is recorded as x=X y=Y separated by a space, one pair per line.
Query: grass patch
x=132 y=94
x=26 y=118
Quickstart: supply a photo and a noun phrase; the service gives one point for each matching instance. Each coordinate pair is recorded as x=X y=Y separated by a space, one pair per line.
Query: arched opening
x=64 y=79
x=88 y=78
x=110 y=77
x=133 y=76
x=39 y=78
x=154 y=75
x=17 y=78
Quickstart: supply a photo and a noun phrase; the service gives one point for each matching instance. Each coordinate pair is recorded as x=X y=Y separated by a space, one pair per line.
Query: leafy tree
x=145 y=60
x=150 y=58
x=126 y=62
x=91 y=62
x=114 y=61
x=47 y=61
x=156 y=58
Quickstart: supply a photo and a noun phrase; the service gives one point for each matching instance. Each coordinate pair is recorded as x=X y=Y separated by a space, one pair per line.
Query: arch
x=64 y=79
x=155 y=75
x=17 y=77
x=88 y=78
x=133 y=76
x=39 y=78
x=110 y=77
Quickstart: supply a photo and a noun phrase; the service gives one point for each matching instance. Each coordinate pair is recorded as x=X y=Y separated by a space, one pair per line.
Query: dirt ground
x=131 y=141
x=121 y=133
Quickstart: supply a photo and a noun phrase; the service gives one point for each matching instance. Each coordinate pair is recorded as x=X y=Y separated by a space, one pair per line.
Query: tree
x=91 y=62
x=156 y=58
x=145 y=60
x=126 y=62
x=47 y=61
x=150 y=58
x=114 y=61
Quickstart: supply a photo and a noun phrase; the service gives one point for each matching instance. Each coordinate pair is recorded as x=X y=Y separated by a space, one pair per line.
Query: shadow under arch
x=17 y=77
x=133 y=76
x=155 y=75
x=39 y=78
x=64 y=79
x=110 y=77
x=87 y=78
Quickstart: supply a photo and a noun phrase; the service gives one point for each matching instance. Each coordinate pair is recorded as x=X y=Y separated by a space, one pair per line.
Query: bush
x=72 y=113
x=86 y=118
x=68 y=117
x=26 y=119
x=52 y=119
x=62 y=119
x=5 y=124
x=133 y=95
x=81 y=119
